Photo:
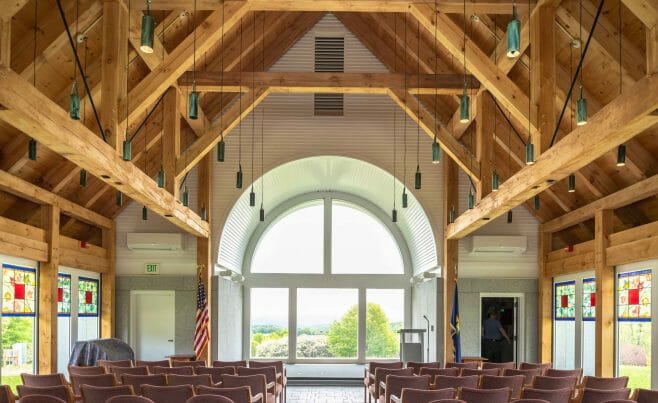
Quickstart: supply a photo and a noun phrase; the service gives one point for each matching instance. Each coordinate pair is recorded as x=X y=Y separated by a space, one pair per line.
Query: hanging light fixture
x=185 y=196
x=204 y=213
x=127 y=153
x=394 y=215
x=529 y=147
x=32 y=150
x=32 y=143
x=193 y=97
x=238 y=177
x=451 y=215
x=436 y=152
x=529 y=154
x=74 y=102
x=161 y=177
x=221 y=150
x=436 y=148
x=621 y=149
x=119 y=199
x=621 y=155
x=514 y=35
x=536 y=202
x=252 y=197
x=83 y=178
x=127 y=148
x=572 y=183
x=495 y=181
x=252 y=194
x=145 y=213
x=418 y=178
x=509 y=217
x=465 y=100
x=581 y=109
x=405 y=199
x=261 y=212
x=148 y=29
x=471 y=200
x=394 y=211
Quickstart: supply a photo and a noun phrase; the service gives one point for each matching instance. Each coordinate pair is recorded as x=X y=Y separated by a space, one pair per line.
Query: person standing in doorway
x=493 y=334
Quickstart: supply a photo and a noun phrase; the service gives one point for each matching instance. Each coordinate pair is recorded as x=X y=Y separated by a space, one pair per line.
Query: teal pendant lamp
x=252 y=197
x=572 y=183
x=464 y=107
x=83 y=178
x=581 y=110
x=204 y=213
x=495 y=182
x=436 y=152
x=185 y=197
x=145 y=213
x=418 y=179
x=451 y=215
x=74 y=102
x=514 y=35
x=394 y=215
x=238 y=178
x=32 y=150
x=262 y=214
x=536 y=202
x=621 y=155
x=405 y=199
x=193 y=103
x=509 y=217
x=119 y=199
x=221 y=150
x=127 y=149
x=471 y=200
x=161 y=178
x=148 y=29
x=529 y=154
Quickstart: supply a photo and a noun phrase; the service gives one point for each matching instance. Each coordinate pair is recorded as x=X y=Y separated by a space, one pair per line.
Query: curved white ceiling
x=328 y=173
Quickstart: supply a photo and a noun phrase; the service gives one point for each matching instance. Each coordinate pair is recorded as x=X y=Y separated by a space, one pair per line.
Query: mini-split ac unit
x=498 y=245
x=155 y=241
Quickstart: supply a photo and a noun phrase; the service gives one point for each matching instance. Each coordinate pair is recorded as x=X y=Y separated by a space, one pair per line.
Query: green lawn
x=638 y=377
x=11 y=381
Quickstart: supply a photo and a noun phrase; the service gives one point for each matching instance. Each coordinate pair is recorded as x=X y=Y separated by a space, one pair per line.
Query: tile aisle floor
x=324 y=394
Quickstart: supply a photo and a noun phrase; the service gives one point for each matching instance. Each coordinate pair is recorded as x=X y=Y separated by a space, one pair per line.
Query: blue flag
x=454 y=327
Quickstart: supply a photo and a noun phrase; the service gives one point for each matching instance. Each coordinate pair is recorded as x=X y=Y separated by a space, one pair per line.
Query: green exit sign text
x=152 y=268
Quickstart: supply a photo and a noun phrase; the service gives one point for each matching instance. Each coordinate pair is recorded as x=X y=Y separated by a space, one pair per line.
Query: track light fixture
x=148 y=29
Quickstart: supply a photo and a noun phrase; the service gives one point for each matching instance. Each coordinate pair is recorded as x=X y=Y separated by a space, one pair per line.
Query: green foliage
x=274 y=333
x=16 y=329
x=342 y=335
x=638 y=377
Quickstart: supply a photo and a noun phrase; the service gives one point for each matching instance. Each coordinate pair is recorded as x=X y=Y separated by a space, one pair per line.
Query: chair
x=99 y=394
x=77 y=370
x=440 y=371
x=621 y=401
x=136 y=381
x=215 y=372
x=448 y=401
x=426 y=396
x=192 y=364
x=116 y=363
x=471 y=395
x=151 y=364
x=119 y=371
x=418 y=365
x=500 y=365
x=369 y=373
x=173 y=371
x=645 y=396
x=395 y=384
x=194 y=380
x=281 y=377
x=551 y=383
x=543 y=366
x=471 y=365
x=515 y=383
x=529 y=374
x=43 y=380
x=6 y=395
x=380 y=376
x=242 y=363
x=94 y=380
x=530 y=401
x=240 y=394
x=602 y=395
x=41 y=399
x=563 y=373
x=551 y=396
x=128 y=399
x=62 y=392
x=443 y=382
x=479 y=372
x=273 y=388
x=168 y=394
x=601 y=383
x=256 y=383
x=209 y=399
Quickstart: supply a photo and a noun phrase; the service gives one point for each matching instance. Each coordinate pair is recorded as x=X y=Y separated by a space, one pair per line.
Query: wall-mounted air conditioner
x=155 y=241
x=498 y=245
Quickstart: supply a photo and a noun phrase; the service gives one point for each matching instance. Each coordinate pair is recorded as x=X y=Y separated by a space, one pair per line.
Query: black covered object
x=87 y=353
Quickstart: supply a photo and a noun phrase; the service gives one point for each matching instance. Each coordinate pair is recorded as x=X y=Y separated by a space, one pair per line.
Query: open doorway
x=506 y=310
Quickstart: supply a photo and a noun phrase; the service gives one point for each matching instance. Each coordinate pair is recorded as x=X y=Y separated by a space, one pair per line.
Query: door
x=505 y=310
x=152 y=320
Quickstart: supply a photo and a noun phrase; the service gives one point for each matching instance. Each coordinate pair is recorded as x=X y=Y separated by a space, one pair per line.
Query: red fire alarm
x=83 y=244
x=568 y=248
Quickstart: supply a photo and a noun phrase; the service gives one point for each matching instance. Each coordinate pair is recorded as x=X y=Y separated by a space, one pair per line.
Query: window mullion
x=327 y=235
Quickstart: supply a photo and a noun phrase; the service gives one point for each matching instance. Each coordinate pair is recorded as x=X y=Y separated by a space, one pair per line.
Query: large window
x=384 y=317
x=269 y=323
x=589 y=325
x=565 y=325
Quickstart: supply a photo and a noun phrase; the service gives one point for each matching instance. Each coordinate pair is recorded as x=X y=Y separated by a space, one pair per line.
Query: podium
x=412 y=345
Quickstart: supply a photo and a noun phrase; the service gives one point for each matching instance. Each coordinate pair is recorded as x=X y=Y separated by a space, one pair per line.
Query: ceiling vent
x=329 y=58
x=154 y=241
x=498 y=245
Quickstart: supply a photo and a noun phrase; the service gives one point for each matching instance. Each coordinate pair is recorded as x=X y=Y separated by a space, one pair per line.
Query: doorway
x=152 y=324
x=507 y=310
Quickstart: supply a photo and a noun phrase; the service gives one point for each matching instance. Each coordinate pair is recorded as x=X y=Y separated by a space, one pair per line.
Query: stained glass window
x=63 y=294
x=87 y=296
x=18 y=290
x=589 y=299
x=565 y=300
x=634 y=296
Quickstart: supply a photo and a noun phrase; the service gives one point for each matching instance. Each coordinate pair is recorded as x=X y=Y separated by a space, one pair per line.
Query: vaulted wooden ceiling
x=279 y=26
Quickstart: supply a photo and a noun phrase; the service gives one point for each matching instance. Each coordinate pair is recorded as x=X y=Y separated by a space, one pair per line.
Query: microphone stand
x=427 y=359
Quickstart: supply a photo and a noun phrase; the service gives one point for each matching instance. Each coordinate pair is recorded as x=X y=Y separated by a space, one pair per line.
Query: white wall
x=424 y=302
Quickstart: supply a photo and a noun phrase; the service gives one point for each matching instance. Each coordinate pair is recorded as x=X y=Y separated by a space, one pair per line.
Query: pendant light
x=119 y=199
x=510 y=217
x=74 y=96
x=514 y=35
x=148 y=29
x=221 y=146
x=161 y=179
x=204 y=213
x=621 y=155
x=436 y=151
x=145 y=213
x=252 y=194
x=83 y=178
x=238 y=175
x=621 y=149
x=221 y=149
x=495 y=179
x=581 y=104
x=572 y=183
x=529 y=147
x=405 y=198
x=451 y=215
x=394 y=212
x=465 y=100
x=127 y=153
x=471 y=199
x=83 y=172
x=418 y=178
x=185 y=197
x=32 y=143
x=32 y=150
x=261 y=212
x=193 y=97
x=536 y=202
x=436 y=148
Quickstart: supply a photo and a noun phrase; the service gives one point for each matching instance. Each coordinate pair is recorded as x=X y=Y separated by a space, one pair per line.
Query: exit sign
x=152 y=268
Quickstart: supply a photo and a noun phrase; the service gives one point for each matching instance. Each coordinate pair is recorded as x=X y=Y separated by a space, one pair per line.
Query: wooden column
x=545 y=300
x=652 y=50
x=108 y=284
x=484 y=149
x=204 y=245
x=5 y=42
x=113 y=70
x=171 y=140
x=543 y=74
x=450 y=253
x=605 y=296
x=47 y=335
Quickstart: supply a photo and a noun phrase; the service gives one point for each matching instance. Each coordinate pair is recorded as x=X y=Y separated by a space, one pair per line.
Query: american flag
x=201 y=330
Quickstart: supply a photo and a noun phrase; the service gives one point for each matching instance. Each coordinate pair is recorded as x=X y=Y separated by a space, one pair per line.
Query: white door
x=152 y=320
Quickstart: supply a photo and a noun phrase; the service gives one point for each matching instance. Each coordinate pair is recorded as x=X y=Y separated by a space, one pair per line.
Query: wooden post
x=450 y=253
x=605 y=296
x=113 y=69
x=652 y=50
x=484 y=149
x=543 y=74
x=204 y=245
x=5 y=42
x=545 y=300
x=171 y=140
x=108 y=284
x=47 y=335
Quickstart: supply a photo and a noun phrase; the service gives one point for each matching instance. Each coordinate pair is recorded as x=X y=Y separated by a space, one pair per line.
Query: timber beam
x=619 y=121
x=28 y=110
x=352 y=83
